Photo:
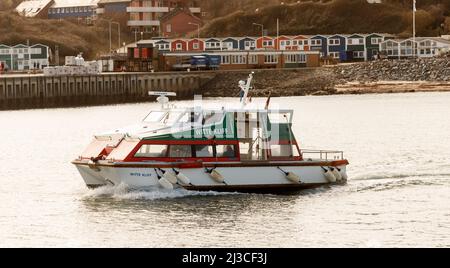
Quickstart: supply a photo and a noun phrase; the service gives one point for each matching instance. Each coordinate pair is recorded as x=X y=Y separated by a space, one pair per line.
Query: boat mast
x=246 y=89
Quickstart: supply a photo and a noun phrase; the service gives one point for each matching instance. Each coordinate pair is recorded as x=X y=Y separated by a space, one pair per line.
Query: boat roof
x=148 y=129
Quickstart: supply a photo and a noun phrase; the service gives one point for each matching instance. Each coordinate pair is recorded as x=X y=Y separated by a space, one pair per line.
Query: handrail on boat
x=322 y=154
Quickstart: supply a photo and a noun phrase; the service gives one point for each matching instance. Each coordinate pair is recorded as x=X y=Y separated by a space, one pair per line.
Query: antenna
x=246 y=89
x=162 y=97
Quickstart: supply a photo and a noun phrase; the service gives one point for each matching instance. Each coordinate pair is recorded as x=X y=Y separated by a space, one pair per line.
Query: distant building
x=112 y=6
x=34 y=8
x=146 y=15
x=425 y=47
x=22 y=57
x=63 y=9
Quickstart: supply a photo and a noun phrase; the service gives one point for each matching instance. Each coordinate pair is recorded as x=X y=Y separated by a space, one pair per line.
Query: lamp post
x=414 y=28
x=110 y=22
x=118 y=31
x=198 y=28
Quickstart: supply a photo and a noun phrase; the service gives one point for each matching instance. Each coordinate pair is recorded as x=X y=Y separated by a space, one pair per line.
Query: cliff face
x=235 y=17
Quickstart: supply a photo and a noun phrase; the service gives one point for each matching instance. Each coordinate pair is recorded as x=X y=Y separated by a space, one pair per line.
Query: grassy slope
x=70 y=36
x=334 y=16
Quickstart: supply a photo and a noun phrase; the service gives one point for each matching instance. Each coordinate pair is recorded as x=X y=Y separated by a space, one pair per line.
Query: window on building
x=179 y=46
x=228 y=45
x=226 y=59
x=376 y=40
x=316 y=42
x=334 y=42
x=268 y=43
x=271 y=58
x=358 y=54
x=169 y=28
x=295 y=58
x=253 y=59
x=249 y=44
x=238 y=59
x=356 y=41
x=334 y=55
x=196 y=46
x=152 y=150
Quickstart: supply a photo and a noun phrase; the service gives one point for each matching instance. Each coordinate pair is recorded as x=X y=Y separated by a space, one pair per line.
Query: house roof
x=176 y=11
x=74 y=3
x=113 y=1
x=32 y=8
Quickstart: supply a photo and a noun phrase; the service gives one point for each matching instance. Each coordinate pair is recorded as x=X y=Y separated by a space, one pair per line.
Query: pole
x=278 y=33
x=110 y=44
x=198 y=31
x=414 y=29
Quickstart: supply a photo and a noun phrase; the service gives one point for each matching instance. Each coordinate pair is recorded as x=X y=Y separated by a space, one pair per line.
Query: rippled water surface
x=398 y=192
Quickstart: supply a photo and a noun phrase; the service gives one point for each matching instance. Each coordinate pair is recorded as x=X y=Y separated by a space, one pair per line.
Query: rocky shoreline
x=384 y=76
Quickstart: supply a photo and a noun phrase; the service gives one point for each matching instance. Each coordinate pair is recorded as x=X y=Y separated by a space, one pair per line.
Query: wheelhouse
x=190 y=135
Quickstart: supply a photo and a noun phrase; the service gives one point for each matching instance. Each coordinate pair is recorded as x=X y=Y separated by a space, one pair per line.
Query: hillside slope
x=325 y=17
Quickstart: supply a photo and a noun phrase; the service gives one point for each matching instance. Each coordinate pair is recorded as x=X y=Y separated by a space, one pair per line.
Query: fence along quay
x=23 y=91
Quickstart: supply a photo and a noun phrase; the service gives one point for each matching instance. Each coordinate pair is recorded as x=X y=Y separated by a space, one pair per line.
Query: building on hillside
x=247 y=43
x=232 y=60
x=112 y=6
x=337 y=45
x=146 y=15
x=179 y=22
x=319 y=43
x=22 y=57
x=230 y=43
x=34 y=8
x=65 y=9
x=372 y=45
x=213 y=44
x=356 y=47
x=422 y=47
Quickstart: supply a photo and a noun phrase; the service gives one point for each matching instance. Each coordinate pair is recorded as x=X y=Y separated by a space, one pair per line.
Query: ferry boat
x=239 y=149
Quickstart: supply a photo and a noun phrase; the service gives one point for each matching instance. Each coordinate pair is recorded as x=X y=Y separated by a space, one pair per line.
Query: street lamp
x=118 y=31
x=110 y=22
x=414 y=28
x=198 y=28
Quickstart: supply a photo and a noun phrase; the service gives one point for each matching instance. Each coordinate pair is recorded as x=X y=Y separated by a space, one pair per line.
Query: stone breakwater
x=384 y=76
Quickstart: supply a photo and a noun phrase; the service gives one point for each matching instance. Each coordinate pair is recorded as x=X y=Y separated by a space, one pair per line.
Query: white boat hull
x=236 y=177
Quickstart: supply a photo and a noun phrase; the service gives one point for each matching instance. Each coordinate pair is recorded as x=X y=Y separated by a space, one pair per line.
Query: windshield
x=173 y=117
x=154 y=116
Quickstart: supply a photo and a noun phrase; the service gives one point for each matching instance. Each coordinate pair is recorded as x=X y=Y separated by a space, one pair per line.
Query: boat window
x=204 y=151
x=283 y=150
x=225 y=151
x=152 y=150
x=184 y=118
x=123 y=150
x=154 y=116
x=251 y=150
x=179 y=151
x=172 y=117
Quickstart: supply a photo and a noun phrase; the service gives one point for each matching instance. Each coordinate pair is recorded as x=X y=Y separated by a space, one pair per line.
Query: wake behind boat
x=240 y=149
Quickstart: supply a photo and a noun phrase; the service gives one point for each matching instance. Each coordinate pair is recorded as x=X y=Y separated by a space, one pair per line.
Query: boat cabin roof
x=169 y=121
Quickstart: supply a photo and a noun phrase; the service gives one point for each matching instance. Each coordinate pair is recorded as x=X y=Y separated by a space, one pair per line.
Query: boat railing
x=322 y=154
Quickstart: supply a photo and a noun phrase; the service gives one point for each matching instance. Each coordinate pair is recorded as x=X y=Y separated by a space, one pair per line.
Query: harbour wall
x=39 y=91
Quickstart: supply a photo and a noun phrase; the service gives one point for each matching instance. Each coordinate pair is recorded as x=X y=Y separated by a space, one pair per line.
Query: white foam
x=123 y=192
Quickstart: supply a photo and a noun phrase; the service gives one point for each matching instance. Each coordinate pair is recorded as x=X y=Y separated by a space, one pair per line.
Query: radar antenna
x=163 y=97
